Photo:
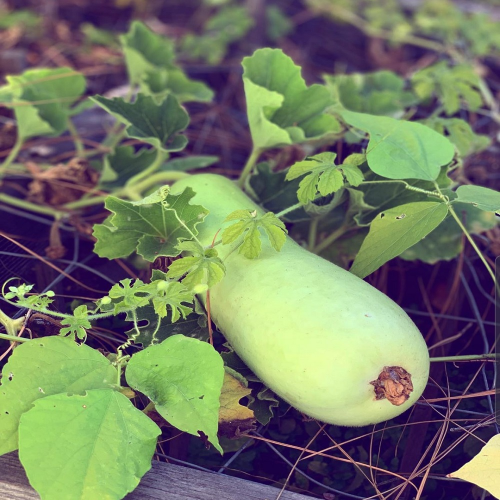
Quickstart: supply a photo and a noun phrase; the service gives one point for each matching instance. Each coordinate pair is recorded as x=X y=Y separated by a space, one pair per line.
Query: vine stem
x=330 y=239
x=12 y=155
x=469 y=357
x=161 y=156
x=313 y=234
x=285 y=211
x=472 y=242
x=247 y=169
x=12 y=327
x=80 y=150
x=158 y=178
x=13 y=338
x=32 y=207
x=464 y=230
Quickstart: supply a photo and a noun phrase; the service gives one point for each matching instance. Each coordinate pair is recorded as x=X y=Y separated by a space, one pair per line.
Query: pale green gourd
x=312 y=332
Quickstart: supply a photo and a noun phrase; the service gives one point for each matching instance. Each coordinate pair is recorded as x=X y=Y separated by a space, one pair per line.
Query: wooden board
x=163 y=482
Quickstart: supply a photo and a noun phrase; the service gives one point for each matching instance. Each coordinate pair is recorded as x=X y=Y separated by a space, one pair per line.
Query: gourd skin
x=314 y=333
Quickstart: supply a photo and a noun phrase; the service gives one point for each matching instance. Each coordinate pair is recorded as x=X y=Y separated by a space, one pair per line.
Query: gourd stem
x=469 y=357
x=247 y=169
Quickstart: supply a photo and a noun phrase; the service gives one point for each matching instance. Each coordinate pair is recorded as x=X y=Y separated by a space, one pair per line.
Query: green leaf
x=451 y=85
x=395 y=230
x=402 y=150
x=127 y=295
x=43 y=367
x=96 y=445
x=481 y=197
x=123 y=164
x=446 y=241
x=323 y=176
x=155 y=124
x=78 y=323
x=170 y=296
x=203 y=267
x=41 y=99
x=274 y=193
x=248 y=227
x=377 y=93
x=281 y=108
x=183 y=377
x=152 y=226
x=460 y=133
x=192 y=162
x=150 y=61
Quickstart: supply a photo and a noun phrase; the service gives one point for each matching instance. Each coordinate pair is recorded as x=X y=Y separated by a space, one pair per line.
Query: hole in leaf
x=402 y=216
x=382 y=215
x=11 y=376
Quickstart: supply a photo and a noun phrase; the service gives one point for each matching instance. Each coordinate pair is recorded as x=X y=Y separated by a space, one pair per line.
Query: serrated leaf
x=240 y=214
x=96 y=445
x=43 y=367
x=323 y=176
x=400 y=149
x=353 y=174
x=480 y=197
x=183 y=377
x=155 y=123
x=249 y=228
x=233 y=232
x=150 y=226
x=281 y=108
x=395 y=230
x=171 y=297
x=77 y=324
x=51 y=92
x=199 y=269
x=484 y=469
x=251 y=245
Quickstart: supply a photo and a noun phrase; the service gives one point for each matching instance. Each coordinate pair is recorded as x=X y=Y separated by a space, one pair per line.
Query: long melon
x=325 y=341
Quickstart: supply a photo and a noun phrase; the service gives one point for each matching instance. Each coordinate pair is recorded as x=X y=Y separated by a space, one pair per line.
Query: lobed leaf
x=152 y=226
x=155 y=123
x=281 y=108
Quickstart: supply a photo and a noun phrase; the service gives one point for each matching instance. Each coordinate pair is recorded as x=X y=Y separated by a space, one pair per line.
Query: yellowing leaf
x=484 y=469
x=234 y=419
